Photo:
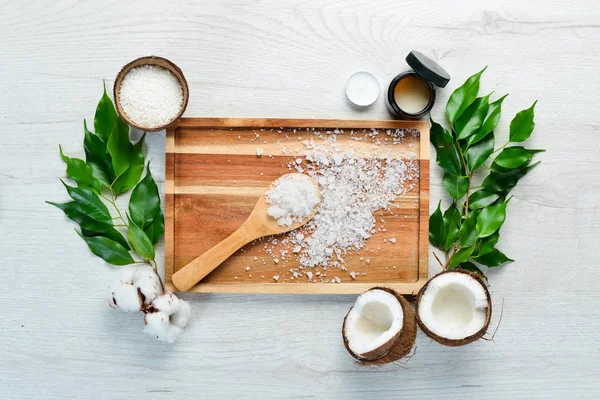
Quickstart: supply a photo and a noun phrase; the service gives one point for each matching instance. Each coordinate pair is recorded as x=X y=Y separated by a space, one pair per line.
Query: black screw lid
x=427 y=68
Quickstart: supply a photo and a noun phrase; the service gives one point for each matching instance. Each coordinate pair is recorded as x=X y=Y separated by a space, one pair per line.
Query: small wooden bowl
x=151 y=60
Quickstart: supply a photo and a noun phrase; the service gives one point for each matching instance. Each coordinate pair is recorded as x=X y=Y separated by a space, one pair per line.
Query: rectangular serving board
x=214 y=178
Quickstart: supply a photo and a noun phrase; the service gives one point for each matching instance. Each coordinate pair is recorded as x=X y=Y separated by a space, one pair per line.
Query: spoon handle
x=195 y=271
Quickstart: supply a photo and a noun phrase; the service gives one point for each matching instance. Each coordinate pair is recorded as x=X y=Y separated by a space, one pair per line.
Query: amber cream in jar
x=411 y=94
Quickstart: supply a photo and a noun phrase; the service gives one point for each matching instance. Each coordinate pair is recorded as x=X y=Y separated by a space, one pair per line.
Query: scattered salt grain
x=151 y=96
x=259 y=152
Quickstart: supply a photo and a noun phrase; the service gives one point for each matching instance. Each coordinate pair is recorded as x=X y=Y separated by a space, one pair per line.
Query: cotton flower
x=136 y=288
x=139 y=289
x=167 y=317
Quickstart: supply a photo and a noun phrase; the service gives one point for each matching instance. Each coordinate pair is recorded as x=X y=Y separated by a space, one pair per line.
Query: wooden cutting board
x=214 y=178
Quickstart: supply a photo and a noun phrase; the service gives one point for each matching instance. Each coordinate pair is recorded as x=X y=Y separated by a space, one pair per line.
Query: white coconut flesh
x=453 y=306
x=375 y=319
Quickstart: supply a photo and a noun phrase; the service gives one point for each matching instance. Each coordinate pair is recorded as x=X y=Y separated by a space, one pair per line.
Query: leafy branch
x=113 y=166
x=468 y=231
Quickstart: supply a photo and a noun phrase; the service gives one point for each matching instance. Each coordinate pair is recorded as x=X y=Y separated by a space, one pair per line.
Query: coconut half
x=454 y=308
x=380 y=328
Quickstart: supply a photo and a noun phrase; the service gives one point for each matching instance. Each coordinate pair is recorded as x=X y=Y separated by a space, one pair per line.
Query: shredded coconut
x=292 y=198
x=151 y=96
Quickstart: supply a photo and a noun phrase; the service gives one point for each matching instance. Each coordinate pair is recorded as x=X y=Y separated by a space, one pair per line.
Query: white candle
x=362 y=88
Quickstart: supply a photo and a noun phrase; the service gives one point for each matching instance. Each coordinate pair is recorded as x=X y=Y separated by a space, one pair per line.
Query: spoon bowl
x=258 y=224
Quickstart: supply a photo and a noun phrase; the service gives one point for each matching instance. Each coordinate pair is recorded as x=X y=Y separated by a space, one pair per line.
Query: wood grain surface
x=214 y=178
x=60 y=340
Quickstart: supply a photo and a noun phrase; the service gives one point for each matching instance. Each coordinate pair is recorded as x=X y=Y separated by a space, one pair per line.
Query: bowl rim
x=160 y=62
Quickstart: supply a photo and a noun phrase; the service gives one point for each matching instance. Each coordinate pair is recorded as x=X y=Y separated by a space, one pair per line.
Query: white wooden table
x=58 y=337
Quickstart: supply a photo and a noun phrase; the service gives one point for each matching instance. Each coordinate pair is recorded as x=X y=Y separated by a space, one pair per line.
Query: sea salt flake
x=292 y=198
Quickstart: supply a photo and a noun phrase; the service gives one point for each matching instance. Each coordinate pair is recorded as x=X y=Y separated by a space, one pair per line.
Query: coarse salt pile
x=292 y=198
x=352 y=188
x=151 y=96
x=359 y=178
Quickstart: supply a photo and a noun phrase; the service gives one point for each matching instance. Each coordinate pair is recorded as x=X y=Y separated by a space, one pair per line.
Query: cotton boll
x=126 y=297
x=149 y=287
x=168 y=303
x=181 y=317
x=143 y=272
x=135 y=280
x=126 y=274
x=157 y=324
x=171 y=317
x=173 y=334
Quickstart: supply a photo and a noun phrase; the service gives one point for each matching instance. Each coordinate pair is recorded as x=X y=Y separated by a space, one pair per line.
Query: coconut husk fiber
x=399 y=346
x=469 y=339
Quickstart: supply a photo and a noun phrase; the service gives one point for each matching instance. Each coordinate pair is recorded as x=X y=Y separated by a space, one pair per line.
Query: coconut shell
x=397 y=347
x=469 y=339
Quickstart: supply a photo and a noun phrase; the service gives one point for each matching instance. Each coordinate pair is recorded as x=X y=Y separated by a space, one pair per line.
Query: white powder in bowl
x=292 y=198
x=151 y=96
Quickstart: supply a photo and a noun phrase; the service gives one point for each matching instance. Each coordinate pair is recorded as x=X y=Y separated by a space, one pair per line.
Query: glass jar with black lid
x=411 y=94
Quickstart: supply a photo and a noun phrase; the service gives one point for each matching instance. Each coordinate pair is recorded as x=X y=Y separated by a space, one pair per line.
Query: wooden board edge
x=409 y=289
x=170 y=203
x=300 y=123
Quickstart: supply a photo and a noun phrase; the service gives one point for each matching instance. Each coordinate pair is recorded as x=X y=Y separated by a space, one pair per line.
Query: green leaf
x=462 y=97
x=490 y=219
x=74 y=212
x=493 y=258
x=109 y=250
x=459 y=257
x=155 y=230
x=437 y=231
x=145 y=201
x=456 y=186
x=489 y=123
x=132 y=175
x=478 y=154
x=504 y=181
x=471 y=119
x=80 y=172
x=120 y=148
x=487 y=244
x=452 y=224
x=482 y=198
x=106 y=117
x=522 y=125
x=90 y=203
x=140 y=242
x=89 y=226
x=468 y=230
x=110 y=233
x=97 y=157
x=513 y=157
x=447 y=155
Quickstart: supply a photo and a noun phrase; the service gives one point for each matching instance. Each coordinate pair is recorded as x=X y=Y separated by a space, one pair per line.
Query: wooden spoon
x=258 y=224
